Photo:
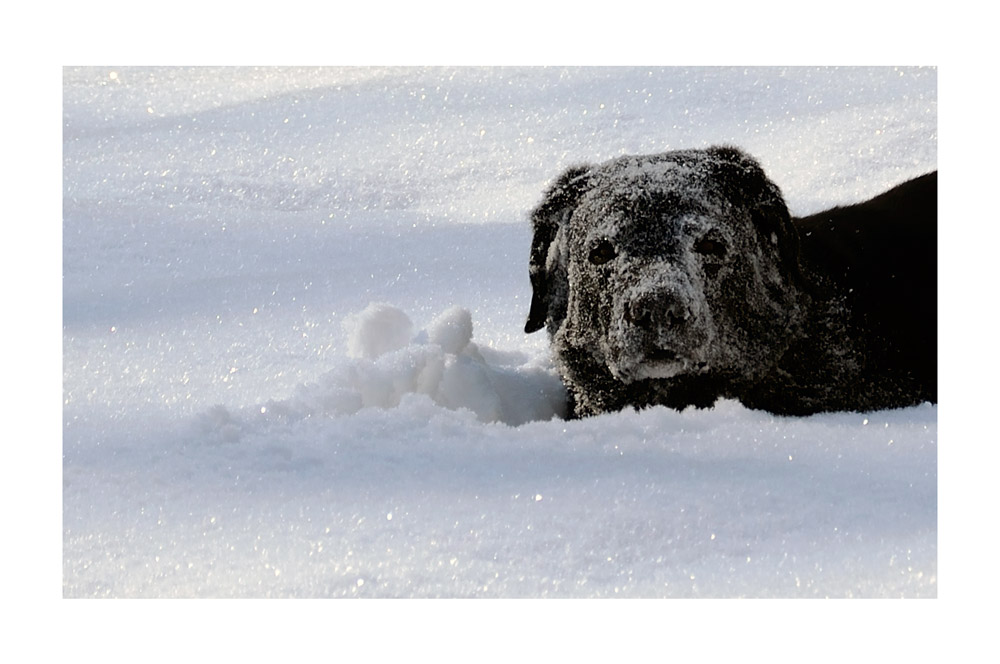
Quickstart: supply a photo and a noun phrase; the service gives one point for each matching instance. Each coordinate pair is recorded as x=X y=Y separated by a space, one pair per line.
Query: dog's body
x=680 y=278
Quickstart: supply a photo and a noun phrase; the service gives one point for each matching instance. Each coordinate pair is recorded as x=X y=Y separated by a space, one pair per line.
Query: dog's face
x=674 y=264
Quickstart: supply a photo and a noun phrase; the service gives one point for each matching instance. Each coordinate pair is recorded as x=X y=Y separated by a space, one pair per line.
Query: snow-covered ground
x=294 y=364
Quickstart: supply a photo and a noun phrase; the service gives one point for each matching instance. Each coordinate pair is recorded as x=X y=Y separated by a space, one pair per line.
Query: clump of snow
x=440 y=362
x=377 y=330
x=452 y=330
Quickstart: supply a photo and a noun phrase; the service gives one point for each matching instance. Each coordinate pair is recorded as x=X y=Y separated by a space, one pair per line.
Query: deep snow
x=294 y=363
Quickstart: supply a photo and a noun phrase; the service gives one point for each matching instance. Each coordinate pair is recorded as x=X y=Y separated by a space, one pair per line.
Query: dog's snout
x=655 y=308
x=637 y=312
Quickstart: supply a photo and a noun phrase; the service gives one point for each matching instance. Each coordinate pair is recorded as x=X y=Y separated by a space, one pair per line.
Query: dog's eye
x=602 y=252
x=713 y=247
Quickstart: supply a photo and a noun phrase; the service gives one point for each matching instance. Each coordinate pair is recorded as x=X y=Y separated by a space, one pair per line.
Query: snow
x=294 y=362
x=440 y=362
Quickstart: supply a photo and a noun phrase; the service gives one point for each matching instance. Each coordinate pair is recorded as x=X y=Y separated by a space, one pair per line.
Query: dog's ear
x=747 y=183
x=556 y=207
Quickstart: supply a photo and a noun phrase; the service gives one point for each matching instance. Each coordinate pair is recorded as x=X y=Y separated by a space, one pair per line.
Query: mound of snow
x=386 y=365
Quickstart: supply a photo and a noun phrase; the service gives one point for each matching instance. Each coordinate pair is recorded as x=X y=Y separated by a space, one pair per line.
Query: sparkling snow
x=294 y=364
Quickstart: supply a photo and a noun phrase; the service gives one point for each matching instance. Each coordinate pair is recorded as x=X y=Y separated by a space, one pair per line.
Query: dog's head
x=661 y=265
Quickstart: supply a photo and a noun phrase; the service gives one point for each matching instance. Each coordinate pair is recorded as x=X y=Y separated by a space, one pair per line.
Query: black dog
x=680 y=278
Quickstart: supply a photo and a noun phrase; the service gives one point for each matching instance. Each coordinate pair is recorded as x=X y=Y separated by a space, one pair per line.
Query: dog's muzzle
x=657 y=336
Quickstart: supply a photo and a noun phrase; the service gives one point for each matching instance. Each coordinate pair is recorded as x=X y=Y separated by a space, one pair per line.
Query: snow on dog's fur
x=679 y=278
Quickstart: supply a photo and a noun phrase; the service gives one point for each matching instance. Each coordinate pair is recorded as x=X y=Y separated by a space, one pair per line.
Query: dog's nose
x=655 y=308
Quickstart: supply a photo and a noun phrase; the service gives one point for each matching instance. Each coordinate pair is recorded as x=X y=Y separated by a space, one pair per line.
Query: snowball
x=452 y=330
x=379 y=329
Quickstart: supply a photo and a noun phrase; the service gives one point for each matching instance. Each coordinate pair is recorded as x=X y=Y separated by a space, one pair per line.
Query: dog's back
x=881 y=255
